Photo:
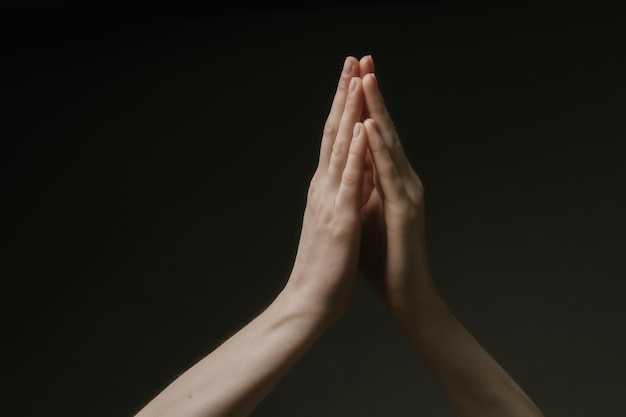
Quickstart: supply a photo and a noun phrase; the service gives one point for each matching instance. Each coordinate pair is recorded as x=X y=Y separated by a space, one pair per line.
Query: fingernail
x=371 y=74
x=357 y=129
x=347 y=66
x=352 y=85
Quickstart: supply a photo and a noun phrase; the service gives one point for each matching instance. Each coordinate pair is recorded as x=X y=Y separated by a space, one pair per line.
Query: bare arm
x=233 y=379
x=474 y=383
x=393 y=258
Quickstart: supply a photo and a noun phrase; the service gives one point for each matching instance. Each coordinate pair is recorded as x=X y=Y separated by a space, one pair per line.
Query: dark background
x=156 y=158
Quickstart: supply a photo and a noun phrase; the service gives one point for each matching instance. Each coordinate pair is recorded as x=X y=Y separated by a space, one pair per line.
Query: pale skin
x=365 y=210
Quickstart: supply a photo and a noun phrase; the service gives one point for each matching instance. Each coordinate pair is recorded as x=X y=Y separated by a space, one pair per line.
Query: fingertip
x=347 y=65
x=358 y=129
x=370 y=124
x=359 y=140
x=350 y=64
x=367 y=64
x=374 y=138
x=370 y=80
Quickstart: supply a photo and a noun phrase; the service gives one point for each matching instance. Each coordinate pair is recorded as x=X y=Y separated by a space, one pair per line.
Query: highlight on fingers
x=350 y=70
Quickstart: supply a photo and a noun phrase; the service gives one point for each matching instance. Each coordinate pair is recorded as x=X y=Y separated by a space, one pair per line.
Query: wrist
x=297 y=304
x=421 y=310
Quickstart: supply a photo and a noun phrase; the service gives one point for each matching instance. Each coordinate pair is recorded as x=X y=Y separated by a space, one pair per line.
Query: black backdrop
x=155 y=166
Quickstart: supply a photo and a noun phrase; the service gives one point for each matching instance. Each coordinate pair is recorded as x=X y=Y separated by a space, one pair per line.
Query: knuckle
x=330 y=129
x=312 y=186
x=396 y=144
x=350 y=179
x=407 y=211
x=377 y=146
x=389 y=173
x=337 y=234
x=311 y=193
x=341 y=230
x=344 y=82
x=339 y=149
x=417 y=186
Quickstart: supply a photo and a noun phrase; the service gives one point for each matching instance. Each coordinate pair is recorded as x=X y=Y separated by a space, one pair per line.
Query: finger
x=387 y=175
x=366 y=65
x=351 y=115
x=351 y=188
x=350 y=69
x=378 y=111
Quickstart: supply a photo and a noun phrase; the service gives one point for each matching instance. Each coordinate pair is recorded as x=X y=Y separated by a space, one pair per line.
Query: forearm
x=235 y=377
x=474 y=383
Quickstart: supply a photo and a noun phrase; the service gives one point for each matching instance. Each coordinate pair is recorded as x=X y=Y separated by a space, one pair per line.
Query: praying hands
x=364 y=211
